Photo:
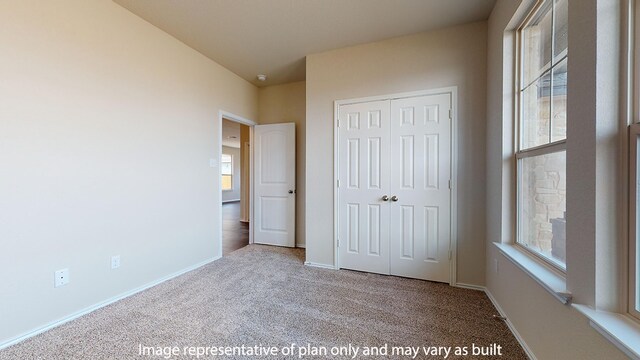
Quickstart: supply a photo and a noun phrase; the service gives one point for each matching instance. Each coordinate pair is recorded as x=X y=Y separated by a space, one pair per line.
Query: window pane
x=227 y=183
x=561 y=25
x=542 y=204
x=535 y=113
x=226 y=167
x=559 y=105
x=536 y=42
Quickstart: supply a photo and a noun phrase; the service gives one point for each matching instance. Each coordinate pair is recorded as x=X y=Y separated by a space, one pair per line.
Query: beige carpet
x=265 y=295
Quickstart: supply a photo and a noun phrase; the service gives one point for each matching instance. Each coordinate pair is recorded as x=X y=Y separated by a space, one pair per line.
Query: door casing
x=453 y=92
x=250 y=123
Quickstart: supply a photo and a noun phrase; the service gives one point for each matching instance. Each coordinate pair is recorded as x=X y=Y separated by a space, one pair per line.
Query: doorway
x=395 y=185
x=270 y=198
x=235 y=182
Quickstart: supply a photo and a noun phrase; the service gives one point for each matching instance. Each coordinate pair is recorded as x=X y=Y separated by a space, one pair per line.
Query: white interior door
x=274 y=184
x=394 y=196
x=420 y=174
x=363 y=226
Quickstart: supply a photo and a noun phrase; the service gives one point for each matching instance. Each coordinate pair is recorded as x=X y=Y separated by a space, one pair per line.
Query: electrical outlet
x=115 y=261
x=61 y=277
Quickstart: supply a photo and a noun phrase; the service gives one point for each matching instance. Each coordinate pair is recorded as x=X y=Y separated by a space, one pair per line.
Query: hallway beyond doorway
x=235 y=234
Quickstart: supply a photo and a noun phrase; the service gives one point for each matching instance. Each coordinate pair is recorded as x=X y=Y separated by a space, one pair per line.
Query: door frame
x=250 y=123
x=453 y=92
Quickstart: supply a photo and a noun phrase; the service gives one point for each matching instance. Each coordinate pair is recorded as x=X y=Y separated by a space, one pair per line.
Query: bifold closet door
x=420 y=174
x=364 y=175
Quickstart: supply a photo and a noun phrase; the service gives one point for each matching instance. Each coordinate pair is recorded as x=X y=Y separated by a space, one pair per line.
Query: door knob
x=385 y=198
x=394 y=198
x=290 y=191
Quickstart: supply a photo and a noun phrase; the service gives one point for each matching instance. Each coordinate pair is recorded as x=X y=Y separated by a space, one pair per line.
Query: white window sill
x=619 y=329
x=547 y=278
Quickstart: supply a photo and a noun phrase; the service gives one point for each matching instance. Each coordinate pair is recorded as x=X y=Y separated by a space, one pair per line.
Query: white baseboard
x=56 y=323
x=513 y=330
x=470 y=286
x=515 y=333
x=322 y=266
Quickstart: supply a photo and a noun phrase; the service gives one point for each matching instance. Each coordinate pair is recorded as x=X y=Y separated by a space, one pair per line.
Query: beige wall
x=107 y=125
x=450 y=57
x=287 y=103
x=551 y=329
x=233 y=194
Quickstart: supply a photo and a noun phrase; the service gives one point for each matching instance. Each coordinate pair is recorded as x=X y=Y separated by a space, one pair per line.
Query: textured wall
x=551 y=329
x=454 y=56
x=107 y=125
x=287 y=103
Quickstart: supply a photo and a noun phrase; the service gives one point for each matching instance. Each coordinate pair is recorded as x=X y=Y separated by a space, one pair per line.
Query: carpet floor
x=261 y=295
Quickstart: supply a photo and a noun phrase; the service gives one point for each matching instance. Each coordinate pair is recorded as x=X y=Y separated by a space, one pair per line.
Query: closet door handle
x=385 y=198
x=394 y=198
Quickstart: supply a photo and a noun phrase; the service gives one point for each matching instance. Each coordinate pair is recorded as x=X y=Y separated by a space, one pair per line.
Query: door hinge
x=450 y=254
x=450 y=114
x=338 y=243
x=338 y=123
x=338 y=183
x=450 y=185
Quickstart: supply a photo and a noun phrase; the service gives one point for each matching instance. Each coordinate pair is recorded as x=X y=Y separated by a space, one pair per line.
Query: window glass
x=226 y=169
x=559 y=102
x=535 y=113
x=536 y=46
x=560 y=33
x=542 y=214
x=542 y=125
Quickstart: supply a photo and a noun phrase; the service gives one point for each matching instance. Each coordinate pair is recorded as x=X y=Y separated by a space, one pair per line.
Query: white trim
x=239 y=119
x=251 y=183
x=620 y=330
x=404 y=95
x=469 y=286
x=336 y=177
x=321 y=266
x=512 y=328
x=510 y=325
x=236 y=118
x=453 y=245
x=551 y=281
x=301 y=245
x=633 y=258
x=550 y=148
x=453 y=92
x=102 y=304
x=230 y=201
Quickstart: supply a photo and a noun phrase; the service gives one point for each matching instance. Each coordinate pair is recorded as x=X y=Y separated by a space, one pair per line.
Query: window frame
x=634 y=221
x=544 y=149
x=222 y=174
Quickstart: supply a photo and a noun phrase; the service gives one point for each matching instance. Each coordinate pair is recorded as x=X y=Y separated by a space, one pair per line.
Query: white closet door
x=275 y=179
x=420 y=174
x=364 y=175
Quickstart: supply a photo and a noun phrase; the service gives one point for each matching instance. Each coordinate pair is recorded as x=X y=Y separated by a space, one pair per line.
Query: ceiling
x=272 y=37
x=229 y=130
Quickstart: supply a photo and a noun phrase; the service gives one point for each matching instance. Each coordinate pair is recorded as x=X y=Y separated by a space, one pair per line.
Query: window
x=634 y=217
x=226 y=169
x=542 y=132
